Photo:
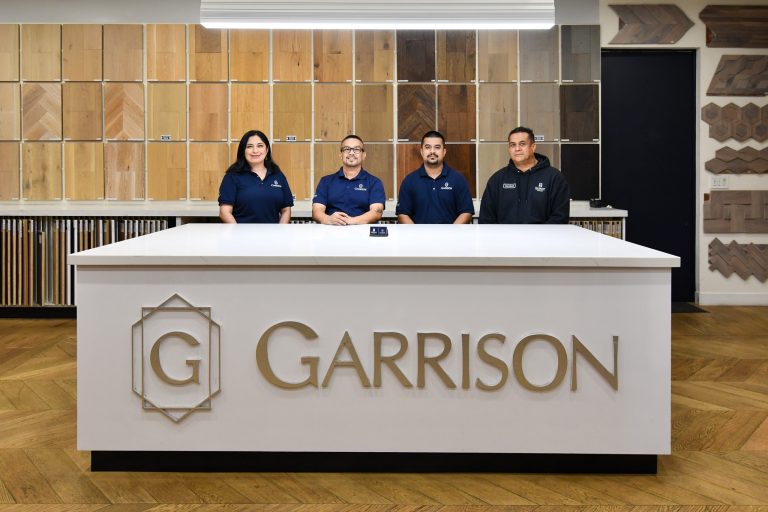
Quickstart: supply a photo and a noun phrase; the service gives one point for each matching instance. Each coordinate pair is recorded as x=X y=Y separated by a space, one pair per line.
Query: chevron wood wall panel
x=166 y=171
x=416 y=111
x=167 y=111
x=374 y=111
x=166 y=52
x=539 y=55
x=416 y=55
x=540 y=109
x=81 y=52
x=579 y=113
x=745 y=260
x=747 y=160
x=124 y=111
x=84 y=171
x=736 y=211
x=41 y=52
x=250 y=109
x=208 y=112
x=291 y=55
x=733 y=121
x=580 y=53
x=208 y=51
x=456 y=112
x=740 y=75
x=9 y=171
x=333 y=55
x=292 y=115
x=9 y=52
x=82 y=110
x=10 y=111
x=456 y=55
x=736 y=26
x=41 y=171
x=207 y=164
x=374 y=55
x=294 y=160
x=650 y=24
x=123 y=52
x=124 y=170
x=41 y=106
x=498 y=110
x=333 y=111
x=249 y=55
x=497 y=55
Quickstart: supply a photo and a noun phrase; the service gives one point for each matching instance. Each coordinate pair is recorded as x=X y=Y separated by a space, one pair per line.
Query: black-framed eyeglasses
x=347 y=149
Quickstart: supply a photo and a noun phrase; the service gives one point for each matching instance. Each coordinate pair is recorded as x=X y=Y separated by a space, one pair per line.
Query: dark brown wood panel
x=747 y=160
x=736 y=211
x=539 y=60
x=579 y=113
x=741 y=123
x=497 y=110
x=740 y=75
x=462 y=158
x=416 y=55
x=416 y=109
x=650 y=24
x=746 y=260
x=581 y=168
x=497 y=55
x=373 y=112
x=333 y=55
x=408 y=159
x=580 y=53
x=374 y=55
x=540 y=110
x=456 y=112
x=456 y=55
x=736 y=26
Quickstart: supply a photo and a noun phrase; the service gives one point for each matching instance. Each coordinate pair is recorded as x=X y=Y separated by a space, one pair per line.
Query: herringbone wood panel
x=719 y=441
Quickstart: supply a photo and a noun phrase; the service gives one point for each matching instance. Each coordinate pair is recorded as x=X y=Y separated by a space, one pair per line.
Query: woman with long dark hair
x=254 y=189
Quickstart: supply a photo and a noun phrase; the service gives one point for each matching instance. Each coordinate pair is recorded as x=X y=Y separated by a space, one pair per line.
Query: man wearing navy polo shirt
x=434 y=193
x=351 y=195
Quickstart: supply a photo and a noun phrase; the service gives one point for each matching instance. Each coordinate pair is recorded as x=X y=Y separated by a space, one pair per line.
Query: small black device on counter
x=596 y=203
x=379 y=231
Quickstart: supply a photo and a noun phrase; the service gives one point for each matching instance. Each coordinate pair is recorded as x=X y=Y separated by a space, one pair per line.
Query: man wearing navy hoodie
x=528 y=190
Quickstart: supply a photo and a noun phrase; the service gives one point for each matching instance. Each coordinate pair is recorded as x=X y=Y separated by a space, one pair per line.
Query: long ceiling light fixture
x=378 y=14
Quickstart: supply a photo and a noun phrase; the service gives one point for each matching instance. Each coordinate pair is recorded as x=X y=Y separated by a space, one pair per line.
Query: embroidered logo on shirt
x=276 y=184
x=361 y=188
x=509 y=185
x=446 y=186
x=540 y=188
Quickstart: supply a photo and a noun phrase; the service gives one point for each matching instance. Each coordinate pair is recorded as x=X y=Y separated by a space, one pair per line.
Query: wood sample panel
x=82 y=110
x=207 y=165
x=551 y=151
x=41 y=171
x=249 y=55
x=497 y=55
x=10 y=111
x=540 y=109
x=124 y=111
x=736 y=26
x=650 y=24
x=374 y=112
x=333 y=111
x=456 y=55
x=374 y=55
x=333 y=55
x=498 y=110
x=581 y=168
x=462 y=158
x=166 y=171
x=292 y=116
x=9 y=52
x=491 y=157
x=84 y=171
x=747 y=160
x=580 y=53
x=456 y=112
x=416 y=111
x=81 y=52
x=733 y=121
x=123 y=53
x=41 y=107
x=740 y=75
x=745 y=260
x=291 y=55
x=41 y=52
x=294 y=160
x=736 y=211
x=250 y=109
x=327 y=161
x=167 y=52
x=208 y=51
x=9 y=171
x=579 y=113
x=208 y=112
x=416 y=55
x=408 y=160
x=380 y=162
x=539 y=55
x=167 y=111
x=124 y=170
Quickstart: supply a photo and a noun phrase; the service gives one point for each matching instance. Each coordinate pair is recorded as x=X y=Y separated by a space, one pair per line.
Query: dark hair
x=241 y=165
x=353 y=136
x=433 y=134
x=523 y=129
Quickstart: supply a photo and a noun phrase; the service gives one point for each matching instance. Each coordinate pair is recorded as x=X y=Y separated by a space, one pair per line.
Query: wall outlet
x=718 y=182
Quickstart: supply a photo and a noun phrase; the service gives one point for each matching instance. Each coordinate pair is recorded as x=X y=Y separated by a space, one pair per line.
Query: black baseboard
x=370 y=462
x=38 y=312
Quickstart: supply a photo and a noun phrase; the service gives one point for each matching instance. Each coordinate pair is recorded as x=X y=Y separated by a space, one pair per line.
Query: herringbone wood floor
x=719 y=434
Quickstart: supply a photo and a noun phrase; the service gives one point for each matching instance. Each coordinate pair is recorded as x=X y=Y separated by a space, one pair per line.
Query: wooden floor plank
x=22 y=479
x=53 y=395
x=484 y=490
x=64 y=477
x=351 y=488
x=29 y=429
x=524 y=487
x=121 y=488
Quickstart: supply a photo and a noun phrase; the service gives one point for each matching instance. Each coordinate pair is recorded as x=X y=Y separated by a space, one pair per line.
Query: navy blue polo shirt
x=255 y=200
x=353 y=197
x=434 y=201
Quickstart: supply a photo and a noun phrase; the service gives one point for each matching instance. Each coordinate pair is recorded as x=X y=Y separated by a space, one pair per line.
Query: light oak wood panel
x=292 y=114
x=41 y=171
x=249 y=55
x=41 y=107
x=166 y=52
x=551 y=151
x=9 y=171
x=380 y=162
x=41 y=54
x=333 y=111
x=207 y=164
x=291 y=61
x=123 y=52
x=208 y=51
x=456 y=112
x=166 y=171
x=124 y=111
x=250 y=109
x=497 y=55
x=82 y=110
x=497 y=110
x=491 y=157
x=373 y=112
x=408 y=159
x=167 y=111
x=327 y=161
x=580 y=53
x=416 y=110
x=83 y=171
x=540 y=109
x=333 y=55
x=456 y=55
x=10 y=111
x=81 y=52
x=374 y=55
x=124 y=170
x=294 y=160
x=9 y=52
x=579 y=113
x=539 y=60
x=416 y=55
x=208 y=112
